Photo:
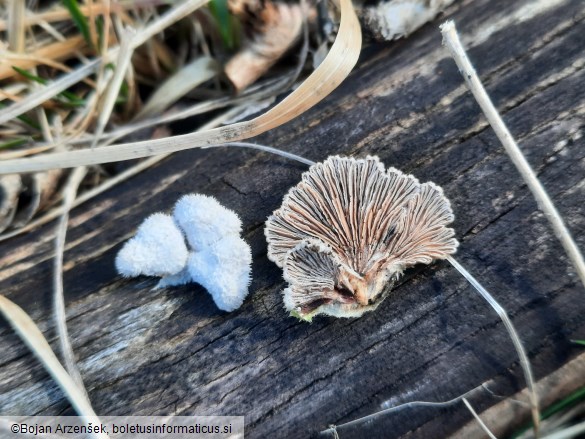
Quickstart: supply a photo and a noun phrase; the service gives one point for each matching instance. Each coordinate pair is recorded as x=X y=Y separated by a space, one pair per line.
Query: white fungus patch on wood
x=158 y=249
x=214 y=256
x=349 y=229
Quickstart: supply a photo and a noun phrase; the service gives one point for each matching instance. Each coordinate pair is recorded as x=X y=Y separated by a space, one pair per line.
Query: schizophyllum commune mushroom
x=349 y=229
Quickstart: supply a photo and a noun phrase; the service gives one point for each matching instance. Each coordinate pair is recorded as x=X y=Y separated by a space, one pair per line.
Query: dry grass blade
x=33 y=338
x=571 y=432
x=524 y=363
x=52 y=89
x=250 y=97
x=34 y=59
x=182 y=82
x=453 y=43
x=509 y=415
x=16 y=13
x=122 y=63
x=111 y=182
x=61 y=14
x=334 y=69
x=59 y=301
x=54 y=51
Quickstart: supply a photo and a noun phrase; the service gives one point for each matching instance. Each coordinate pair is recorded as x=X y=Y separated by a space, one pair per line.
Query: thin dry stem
x=476 y=416
x=453 y=43
x=507 y=414
x=56 y=51
x=44 y=94
x=180 y=83
x=333 y=429
x=122 y=63
x=268 y=149
x=16 y=29
x=39 y=60
x=42 y=115
x=69 y=195
x=249 y=97
x=106 y=4
x=60 y=14
x=524 y=363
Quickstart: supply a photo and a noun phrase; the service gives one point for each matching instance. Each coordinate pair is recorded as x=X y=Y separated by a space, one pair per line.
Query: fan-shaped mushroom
x=348 y=230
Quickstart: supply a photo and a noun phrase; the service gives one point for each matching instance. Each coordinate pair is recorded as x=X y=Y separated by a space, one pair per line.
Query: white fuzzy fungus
x=217 y=258
x=157 y=249
x=348 y=230
x=224 y=271
x=204 y=220
x=183 y=277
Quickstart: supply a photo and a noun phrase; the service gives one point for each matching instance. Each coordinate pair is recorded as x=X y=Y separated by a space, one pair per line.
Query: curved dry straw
x=33 y=338
x=58 y=298
x=524 y=363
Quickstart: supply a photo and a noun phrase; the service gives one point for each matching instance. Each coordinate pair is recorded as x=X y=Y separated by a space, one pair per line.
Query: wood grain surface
x=171 y=351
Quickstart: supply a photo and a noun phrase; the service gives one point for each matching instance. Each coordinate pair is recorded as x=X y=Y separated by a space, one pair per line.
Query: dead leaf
x=271 y=29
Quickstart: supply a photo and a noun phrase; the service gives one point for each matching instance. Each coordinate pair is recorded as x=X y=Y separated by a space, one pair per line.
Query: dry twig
x=453 y=43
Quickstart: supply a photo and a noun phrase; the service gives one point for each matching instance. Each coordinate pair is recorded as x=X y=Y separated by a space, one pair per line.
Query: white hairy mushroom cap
x=347 y=231
x=223 y=270
x=204 y=220
x=157 y=249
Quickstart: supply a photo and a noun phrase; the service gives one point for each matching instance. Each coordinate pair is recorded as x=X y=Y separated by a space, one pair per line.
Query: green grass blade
x=78 y=18
x=220 y=12
x=72 y=98
x=29 y=75
x=13 y=143
x=25 y=119
x=571 y=400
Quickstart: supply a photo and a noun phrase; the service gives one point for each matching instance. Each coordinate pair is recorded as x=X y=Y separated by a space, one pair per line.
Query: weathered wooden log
x=171 y=351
